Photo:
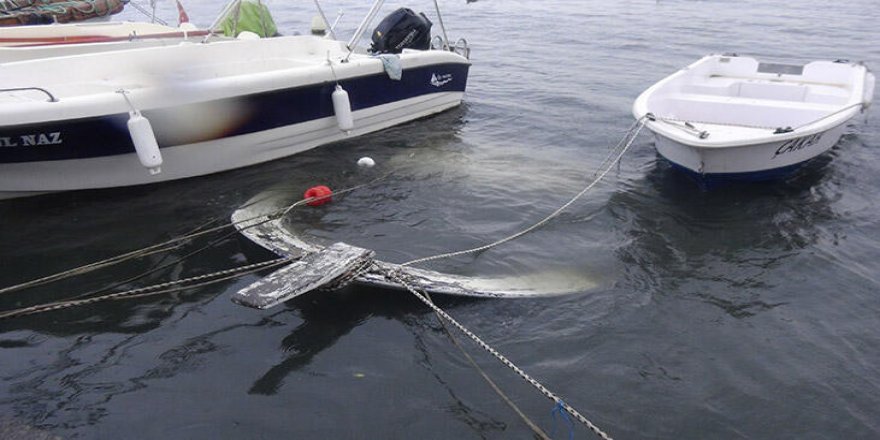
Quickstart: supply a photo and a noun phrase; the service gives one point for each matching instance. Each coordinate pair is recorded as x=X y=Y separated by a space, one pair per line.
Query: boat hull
x=216 y=135
x=715 y=166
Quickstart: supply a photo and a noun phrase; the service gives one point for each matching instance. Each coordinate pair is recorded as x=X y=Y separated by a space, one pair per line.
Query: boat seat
x=735 y=110
x=766 y=89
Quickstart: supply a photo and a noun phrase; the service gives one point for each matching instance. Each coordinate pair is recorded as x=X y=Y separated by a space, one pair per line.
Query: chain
x=359 y=267
x=397 y=277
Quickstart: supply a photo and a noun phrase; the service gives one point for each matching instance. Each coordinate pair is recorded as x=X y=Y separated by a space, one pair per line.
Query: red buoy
x=321 y=195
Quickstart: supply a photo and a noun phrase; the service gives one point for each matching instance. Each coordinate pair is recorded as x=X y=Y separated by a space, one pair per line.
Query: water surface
x=748 y=312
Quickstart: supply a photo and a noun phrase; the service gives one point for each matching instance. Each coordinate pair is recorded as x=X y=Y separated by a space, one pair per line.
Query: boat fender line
x=341 y=102
x=144 y=139
x=342 y=109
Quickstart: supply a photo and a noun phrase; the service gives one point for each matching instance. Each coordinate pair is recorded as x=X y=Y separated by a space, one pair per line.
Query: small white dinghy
x=733 y=118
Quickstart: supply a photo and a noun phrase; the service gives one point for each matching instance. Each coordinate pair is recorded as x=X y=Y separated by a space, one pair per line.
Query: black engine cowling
x=402 y=29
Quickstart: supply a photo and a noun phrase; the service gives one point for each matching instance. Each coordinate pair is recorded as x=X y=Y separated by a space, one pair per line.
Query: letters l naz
x=31 y=140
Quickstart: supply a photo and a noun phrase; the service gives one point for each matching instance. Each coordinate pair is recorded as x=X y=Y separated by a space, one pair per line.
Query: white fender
x=342 y=108
x=145 y=144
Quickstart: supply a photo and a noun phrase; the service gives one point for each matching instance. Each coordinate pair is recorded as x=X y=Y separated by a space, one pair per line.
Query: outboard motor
x=402 y=29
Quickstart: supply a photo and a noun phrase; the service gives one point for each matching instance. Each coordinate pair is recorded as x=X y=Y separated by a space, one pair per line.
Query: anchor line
x=539 y=433
x=613 y=157
x=156 y=289
x=398 y=277
x=158 y=266
x=178 y=241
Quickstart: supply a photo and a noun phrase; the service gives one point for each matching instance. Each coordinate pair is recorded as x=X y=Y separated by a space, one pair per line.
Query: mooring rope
x=614 y=156
x=156 y=289
x=140 y=253
x=398 y=278
x=158 y=266
x=522 y=415
x=176 y=242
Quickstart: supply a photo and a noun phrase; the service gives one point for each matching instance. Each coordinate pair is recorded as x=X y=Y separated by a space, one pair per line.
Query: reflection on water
x=722 y=247
x=324 y=322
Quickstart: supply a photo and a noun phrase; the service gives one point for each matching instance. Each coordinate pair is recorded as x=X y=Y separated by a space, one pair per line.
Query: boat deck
x=777 y=89
x=735 y=109
x=169 y=67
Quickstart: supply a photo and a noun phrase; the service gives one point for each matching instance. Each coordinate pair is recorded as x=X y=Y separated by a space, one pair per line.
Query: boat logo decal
x=31 y=140
x=440 y=80
x=797 y=144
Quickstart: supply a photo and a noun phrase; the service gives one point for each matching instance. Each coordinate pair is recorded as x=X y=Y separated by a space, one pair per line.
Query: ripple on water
x=741 y=313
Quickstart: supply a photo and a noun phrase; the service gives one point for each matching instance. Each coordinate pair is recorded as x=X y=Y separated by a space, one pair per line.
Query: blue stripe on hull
x=108 y=135
x=714 y=180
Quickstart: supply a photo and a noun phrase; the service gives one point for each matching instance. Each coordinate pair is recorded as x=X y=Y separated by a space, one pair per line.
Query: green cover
x=252 y=16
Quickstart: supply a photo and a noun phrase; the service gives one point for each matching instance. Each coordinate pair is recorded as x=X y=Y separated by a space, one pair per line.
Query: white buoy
x=145 y=144
x=366 y=162
x=248 y=35
x=342 y=108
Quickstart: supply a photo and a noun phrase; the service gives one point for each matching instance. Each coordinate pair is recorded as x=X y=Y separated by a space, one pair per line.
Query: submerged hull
x=201 y=131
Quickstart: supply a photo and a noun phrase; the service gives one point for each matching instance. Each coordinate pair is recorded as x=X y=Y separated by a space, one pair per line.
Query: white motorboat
x=734 y=118
x=147 y=115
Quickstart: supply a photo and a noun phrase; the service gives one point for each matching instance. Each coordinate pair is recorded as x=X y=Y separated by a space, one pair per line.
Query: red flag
x=181 y=17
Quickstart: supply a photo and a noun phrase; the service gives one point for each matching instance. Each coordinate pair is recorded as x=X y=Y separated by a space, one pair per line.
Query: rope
x=397 y=277
x=150 y=290
x=176 y=242
x=560 y=409
x=606 y=166
x=158 y=266
x=532 y=425
x=148 y=13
